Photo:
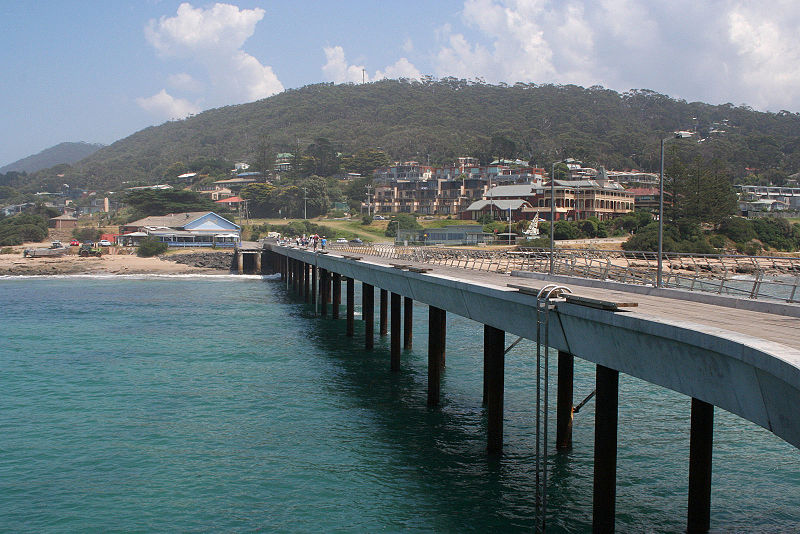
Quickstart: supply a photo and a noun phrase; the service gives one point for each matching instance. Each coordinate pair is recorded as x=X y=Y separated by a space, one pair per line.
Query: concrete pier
x=564 y=401
x=408 y=322
x=700 y=448
x=395 y=340
x=351 y=306
x=436 y=317
x=384 y=306
x=605 y=450
x=494 y=380
x=368 y=314
x=337 y=294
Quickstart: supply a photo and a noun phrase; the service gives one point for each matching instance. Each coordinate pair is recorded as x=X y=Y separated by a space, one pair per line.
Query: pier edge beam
x=564 y=400
x=337 y=294
x=408 y=322
x=436 y=317
x=395 y=340
x=605 y=449
x=351 y=306
x=368 y=312
x=494 y=341
x=701 y=440
x=384 y=305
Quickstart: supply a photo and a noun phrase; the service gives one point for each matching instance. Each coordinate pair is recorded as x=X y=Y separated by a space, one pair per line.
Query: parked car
x=342 y=240
x=105 y=243
x=379 y=218
x=74 y=243
x=356 y=241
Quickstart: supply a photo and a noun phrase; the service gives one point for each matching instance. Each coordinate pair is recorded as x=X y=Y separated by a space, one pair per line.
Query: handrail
x=741 y=276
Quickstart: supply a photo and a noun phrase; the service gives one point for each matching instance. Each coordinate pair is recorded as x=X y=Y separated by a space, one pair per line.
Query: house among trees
x=192 y=229
x=63 y=221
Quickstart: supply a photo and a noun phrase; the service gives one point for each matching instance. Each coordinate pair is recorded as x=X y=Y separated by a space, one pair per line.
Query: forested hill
x=55 y=155
x=437 y=121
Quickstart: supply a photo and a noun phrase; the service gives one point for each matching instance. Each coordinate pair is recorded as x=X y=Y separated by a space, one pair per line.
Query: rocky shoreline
x=220 y=261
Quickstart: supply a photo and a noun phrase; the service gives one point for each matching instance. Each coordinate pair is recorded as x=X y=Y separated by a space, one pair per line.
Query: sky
x=100 y=70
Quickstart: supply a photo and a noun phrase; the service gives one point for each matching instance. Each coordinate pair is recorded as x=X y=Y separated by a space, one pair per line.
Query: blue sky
x=98 y=71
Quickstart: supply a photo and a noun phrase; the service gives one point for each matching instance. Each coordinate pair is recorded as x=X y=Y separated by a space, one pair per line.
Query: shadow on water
x=439 y=455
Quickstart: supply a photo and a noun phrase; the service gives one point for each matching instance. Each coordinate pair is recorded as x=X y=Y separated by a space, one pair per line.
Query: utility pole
x=369 y=199
x=305 y=203
x=363 y=76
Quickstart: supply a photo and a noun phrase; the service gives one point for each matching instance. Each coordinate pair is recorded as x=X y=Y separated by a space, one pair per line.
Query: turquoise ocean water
x=223 y=404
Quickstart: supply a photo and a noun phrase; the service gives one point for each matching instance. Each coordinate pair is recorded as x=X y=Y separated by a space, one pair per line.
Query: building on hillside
x=242 y=180
x=406 y=171
x=230 y=202
x=646 y=198
x=283 y=162
x=500 y=210
x=63 y=221
x=192 y=229
x=454 y=234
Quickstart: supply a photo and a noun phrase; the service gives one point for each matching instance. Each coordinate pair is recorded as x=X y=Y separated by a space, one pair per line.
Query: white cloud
x=213 y=39
x=162 y=104
x=337 y=70
x=184 y=82
x=722 y=51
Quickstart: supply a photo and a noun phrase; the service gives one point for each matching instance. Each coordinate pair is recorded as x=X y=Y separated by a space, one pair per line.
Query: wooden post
x=239 y=262
x=368 y=312
x=258 y=263
x=408 y=322
x=383 y=313
x=605 y=449
x=566 y=364
x=435 y=350
x=395 y=358
x=351 y=306
x=701 y=439
x=494 y=348
x=337 y=294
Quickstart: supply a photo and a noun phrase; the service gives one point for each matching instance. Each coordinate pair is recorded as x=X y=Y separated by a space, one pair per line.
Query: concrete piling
x=408 y=322
x=368 y=313
x=436 y=317
x=701 y=438
x=605 y=449
x=395 y=341
x=494 y=364
x=337 y=294
x=384 y=304
x=564 y=400
x=351 y=306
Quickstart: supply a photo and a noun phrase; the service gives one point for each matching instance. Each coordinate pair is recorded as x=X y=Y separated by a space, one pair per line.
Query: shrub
x=366 y=220
x=150 y=247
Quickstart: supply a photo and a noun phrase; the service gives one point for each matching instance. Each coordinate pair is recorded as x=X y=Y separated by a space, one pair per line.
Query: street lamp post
x=552 y=214
x=659 y=267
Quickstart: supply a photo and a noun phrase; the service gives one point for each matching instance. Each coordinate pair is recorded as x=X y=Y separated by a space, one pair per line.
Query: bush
x=86 y=234
x=366 y=220
x=150 y=247
x=717 y=241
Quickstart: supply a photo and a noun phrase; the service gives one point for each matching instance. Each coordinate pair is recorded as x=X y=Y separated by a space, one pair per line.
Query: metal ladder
x=543 y=307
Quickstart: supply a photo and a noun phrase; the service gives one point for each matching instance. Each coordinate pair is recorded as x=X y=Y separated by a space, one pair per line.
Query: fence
x=753 y=277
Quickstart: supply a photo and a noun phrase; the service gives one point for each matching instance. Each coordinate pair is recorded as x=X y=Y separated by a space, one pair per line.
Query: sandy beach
x=14 y=264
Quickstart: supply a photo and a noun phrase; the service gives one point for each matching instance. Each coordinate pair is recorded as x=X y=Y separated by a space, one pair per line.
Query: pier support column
x=395 y=332
x=301 y=279
x=564 y=400
x=605 y=449
x=383 y=312
x=436 y=317
x=306 y=283
x=239 y=262
x=258 y=262
x=313 y=288
x=295 y=272
x=324 y=287
x=408 y=322
x=368 y=313
x=701 y=440
x=351 y=306
x=337 y=294
x=494 y=346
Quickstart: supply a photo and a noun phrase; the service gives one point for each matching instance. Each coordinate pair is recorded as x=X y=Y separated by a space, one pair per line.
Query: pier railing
x=754 y=277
